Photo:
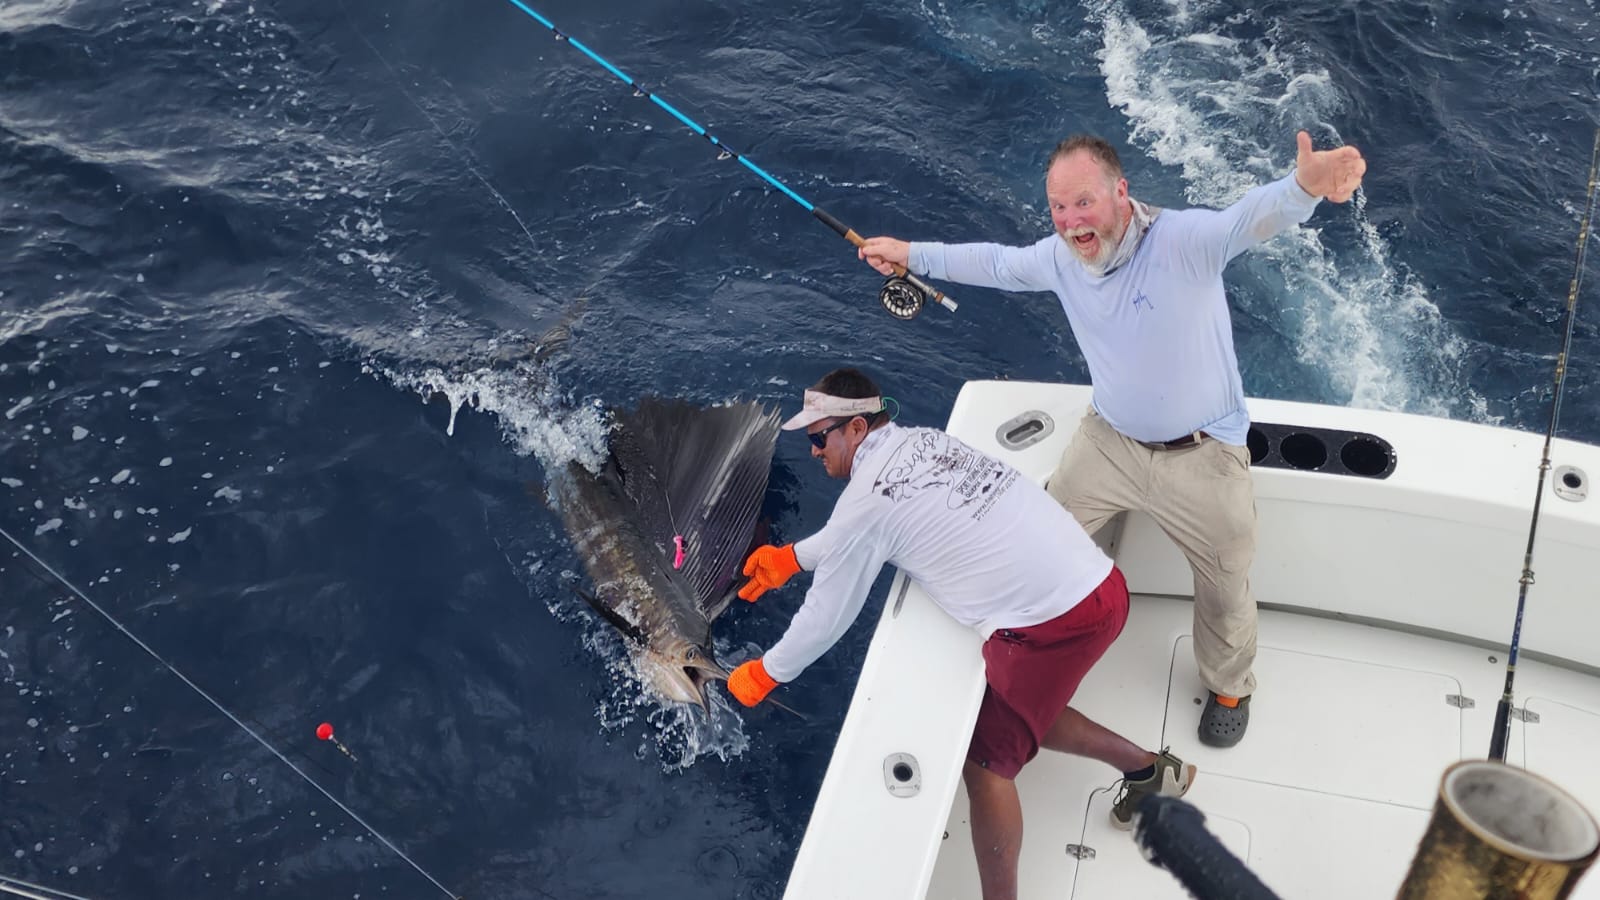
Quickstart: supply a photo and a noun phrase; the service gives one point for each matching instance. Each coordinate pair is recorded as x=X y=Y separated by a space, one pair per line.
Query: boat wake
x=1219 y=98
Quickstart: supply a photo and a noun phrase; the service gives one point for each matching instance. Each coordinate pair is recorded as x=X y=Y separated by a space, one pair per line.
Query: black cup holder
x=1303 y=451
x=1332 y=451
x=1256 y=443
x=1367 y=456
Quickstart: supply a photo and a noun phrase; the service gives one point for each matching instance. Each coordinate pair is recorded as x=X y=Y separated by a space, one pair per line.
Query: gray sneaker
x=1172 y=779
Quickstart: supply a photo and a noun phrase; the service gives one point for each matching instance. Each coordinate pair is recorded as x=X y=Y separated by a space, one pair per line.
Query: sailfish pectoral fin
x=610 y=615
x=716 y=609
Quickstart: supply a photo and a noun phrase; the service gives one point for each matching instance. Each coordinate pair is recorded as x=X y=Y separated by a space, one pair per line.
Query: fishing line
x=466 y=157
x=16 y=887
x=222 y=709
x=1502 y=713
x=903 y=295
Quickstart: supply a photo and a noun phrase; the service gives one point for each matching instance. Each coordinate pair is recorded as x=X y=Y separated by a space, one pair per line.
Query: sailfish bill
x=676 y=476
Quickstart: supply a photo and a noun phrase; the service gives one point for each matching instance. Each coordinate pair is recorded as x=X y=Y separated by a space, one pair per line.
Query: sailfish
x=663 y=529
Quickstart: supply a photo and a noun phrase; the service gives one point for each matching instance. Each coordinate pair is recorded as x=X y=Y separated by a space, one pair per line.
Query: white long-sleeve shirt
x=1154 y=332
x=988 y=545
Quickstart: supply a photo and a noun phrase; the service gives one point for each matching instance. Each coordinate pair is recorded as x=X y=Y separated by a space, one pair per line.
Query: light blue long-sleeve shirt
x=1155 y=332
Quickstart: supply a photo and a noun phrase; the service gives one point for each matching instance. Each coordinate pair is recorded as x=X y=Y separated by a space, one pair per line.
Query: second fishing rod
x=1500 y=739
x=903 y=295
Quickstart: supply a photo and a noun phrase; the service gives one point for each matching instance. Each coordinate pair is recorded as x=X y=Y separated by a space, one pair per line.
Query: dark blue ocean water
x=269 y=273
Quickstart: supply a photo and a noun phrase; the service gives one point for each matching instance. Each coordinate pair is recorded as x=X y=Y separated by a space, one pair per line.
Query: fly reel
x=901 y=298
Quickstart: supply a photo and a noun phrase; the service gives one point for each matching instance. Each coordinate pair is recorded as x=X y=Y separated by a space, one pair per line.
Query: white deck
x=1331 y=790
x=1350 y=729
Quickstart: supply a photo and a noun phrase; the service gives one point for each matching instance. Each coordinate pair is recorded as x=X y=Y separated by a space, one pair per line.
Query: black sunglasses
x=819 y=439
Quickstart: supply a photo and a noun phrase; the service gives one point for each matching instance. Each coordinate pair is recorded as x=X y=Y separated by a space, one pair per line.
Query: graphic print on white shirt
x=986 y=544
x=931 y=460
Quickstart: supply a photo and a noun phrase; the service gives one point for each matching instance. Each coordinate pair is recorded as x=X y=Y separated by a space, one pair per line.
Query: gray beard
x=1143 y=217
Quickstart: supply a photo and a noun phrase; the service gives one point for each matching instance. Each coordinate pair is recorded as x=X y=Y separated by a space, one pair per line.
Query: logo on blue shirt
x=1140 y=301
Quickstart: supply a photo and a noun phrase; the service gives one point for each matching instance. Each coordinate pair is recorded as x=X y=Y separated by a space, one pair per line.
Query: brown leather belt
x=1192 y=439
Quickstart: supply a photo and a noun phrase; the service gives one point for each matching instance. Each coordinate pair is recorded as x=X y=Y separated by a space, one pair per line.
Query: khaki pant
x=1203 y=499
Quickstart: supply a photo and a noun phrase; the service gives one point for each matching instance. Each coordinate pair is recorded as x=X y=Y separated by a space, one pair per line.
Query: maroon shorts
x=1033 y=673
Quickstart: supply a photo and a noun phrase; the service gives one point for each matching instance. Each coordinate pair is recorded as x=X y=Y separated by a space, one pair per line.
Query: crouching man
x=997 y=553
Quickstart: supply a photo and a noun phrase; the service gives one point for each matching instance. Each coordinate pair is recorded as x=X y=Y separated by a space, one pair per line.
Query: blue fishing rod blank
x=902 y=295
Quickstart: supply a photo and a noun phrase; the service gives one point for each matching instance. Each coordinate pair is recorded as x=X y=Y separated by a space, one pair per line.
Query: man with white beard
x=1142 y=289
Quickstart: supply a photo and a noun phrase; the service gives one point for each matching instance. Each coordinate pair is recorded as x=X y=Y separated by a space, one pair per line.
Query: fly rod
x=1502 y=713
x=903 y=295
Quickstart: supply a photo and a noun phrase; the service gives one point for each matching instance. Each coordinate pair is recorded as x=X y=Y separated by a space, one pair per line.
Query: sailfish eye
x=693 y=653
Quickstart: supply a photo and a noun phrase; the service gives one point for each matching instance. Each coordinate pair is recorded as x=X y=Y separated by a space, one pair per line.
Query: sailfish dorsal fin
x=697 y=473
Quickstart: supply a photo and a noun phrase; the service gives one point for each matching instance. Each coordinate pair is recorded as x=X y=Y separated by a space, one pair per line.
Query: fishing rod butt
x=1501 y=735
x=939 y=296
x=1172 y=835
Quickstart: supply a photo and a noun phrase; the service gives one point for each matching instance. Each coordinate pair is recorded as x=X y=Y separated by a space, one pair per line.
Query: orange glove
x=749 y=683
x=768 y=567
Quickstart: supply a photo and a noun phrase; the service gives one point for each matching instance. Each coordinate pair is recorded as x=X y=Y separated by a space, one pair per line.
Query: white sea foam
x=678 y=735
x=533 y=416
